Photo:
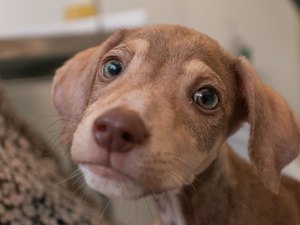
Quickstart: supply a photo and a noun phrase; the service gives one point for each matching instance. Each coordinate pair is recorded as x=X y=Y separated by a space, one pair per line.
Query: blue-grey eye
x=206 y=98
x=112 y=68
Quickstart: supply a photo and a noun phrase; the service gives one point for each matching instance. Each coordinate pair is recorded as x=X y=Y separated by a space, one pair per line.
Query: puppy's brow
x=200 y=72
x=115 y=40
x=140 y=46
x=136 y=46
x=196 y=67
x=122 y=48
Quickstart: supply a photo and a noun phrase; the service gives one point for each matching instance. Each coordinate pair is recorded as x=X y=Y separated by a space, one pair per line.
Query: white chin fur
x=111 y=188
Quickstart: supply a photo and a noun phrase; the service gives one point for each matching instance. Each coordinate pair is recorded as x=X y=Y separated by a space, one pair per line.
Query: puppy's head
x=150 y=108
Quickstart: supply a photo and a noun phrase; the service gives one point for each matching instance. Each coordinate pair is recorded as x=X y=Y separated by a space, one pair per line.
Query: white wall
x=21 y=13
x=160 y=11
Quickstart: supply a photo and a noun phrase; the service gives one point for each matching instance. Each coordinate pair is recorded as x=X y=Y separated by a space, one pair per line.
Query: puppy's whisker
x=183 y=180
x=61 y=121
x=135 y=204
x=177 y=174
x=54 y=139
x=177 y=185
x=58 y=135
x=99 y=222
x=73 y=175
x=54 y=123
x=148 y=206
x=83 y=191
x=190 y=170
x=75 y=171
x=74 y=183
x=62 y=132
x=58 y=131
x=79 y=188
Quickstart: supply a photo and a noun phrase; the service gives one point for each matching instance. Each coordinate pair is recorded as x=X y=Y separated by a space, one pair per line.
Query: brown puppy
x=149 y=111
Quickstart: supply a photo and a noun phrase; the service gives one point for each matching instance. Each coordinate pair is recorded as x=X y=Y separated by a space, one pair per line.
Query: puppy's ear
x=70 y=89
x=274 y=134
x=72 y=83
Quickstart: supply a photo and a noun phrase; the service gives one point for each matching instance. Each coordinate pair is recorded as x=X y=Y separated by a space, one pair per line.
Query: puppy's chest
x=170 y=210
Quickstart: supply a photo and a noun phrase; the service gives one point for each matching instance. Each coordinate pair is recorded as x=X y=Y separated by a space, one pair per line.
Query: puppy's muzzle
x=119 y=130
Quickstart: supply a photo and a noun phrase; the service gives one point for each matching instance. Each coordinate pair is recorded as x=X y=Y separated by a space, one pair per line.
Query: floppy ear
x=70 y=89
x=72 y=83
x=274 y=134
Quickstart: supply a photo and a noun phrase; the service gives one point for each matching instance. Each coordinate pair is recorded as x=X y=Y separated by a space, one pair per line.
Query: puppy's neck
x=202 y=202
x=170 y=209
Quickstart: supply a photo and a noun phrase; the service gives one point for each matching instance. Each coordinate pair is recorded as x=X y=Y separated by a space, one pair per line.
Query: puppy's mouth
x=107 y=172
x=110 y=181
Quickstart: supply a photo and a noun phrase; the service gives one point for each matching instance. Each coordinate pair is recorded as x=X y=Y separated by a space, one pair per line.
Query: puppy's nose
x=119 y=130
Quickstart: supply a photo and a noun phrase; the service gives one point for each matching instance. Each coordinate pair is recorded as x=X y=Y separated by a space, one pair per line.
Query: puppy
x=148 y=112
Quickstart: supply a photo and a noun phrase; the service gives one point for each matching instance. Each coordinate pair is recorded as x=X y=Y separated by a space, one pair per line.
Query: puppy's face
x=177 y=86
x=151 y=108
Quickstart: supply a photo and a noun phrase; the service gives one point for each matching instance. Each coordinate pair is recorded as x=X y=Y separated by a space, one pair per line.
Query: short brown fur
x=185 y=155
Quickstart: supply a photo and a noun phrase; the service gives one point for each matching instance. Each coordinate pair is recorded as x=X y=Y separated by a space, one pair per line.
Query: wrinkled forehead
x=174 y=45
x=179 y=44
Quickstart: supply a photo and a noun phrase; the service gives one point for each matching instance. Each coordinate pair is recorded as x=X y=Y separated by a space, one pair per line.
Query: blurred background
x=36 y=37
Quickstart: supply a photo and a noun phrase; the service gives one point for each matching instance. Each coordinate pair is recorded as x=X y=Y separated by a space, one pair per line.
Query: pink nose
x=119 y=130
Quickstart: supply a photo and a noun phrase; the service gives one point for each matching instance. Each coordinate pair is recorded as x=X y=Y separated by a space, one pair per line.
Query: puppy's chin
x=111 y=187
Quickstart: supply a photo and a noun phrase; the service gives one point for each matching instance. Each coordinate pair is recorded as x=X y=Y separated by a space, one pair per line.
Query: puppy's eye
x=207 y=98
x=112 y=68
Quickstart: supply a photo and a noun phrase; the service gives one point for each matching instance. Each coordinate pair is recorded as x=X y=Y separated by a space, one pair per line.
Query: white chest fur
x=169 y=209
